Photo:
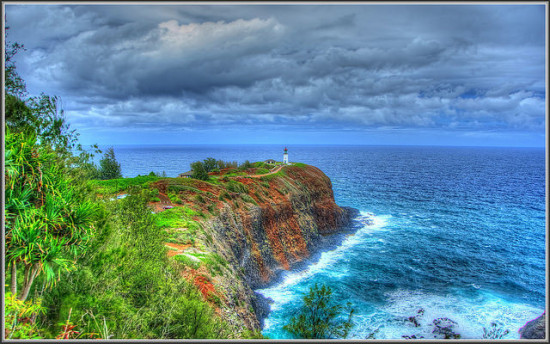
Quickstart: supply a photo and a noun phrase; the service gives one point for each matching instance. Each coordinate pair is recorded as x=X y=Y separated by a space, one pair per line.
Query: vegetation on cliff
x=80 y=265
x=321 y=318
x=143 y=257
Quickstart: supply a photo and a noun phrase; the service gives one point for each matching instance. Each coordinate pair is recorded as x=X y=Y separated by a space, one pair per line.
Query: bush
x=319 y=317
x=224 y=195
x=237 y=187
x=18 y=322
x=249 y=199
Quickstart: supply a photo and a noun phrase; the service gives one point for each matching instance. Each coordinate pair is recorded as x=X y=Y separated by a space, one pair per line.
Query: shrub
x=249 y=199
x=319 y=317
x=224 y=195
x=237 y=187
x=18 y=323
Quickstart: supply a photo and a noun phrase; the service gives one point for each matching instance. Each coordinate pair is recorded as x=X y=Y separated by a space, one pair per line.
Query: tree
x=319 y=317
x=245 y=165
x=210 y=164
x=48 y=219
x=199 y=171
x=109 y=168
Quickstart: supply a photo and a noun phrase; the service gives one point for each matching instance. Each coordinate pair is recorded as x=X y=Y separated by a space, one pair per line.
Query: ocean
x=457 y=232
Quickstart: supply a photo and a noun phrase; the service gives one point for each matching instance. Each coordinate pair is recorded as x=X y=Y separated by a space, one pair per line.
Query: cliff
x=244 y=228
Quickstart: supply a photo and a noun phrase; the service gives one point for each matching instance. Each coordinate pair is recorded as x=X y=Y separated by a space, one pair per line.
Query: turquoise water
x=457 y=232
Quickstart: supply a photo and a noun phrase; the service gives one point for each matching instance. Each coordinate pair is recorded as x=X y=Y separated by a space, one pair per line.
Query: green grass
x=259 y=164
x=269 y=177
x=235 y=174
x=262 y=171
x=234 y=186
x=181 y=188
x=112 y=186
x=186 y=261
x=299 y=164
x=177 y=217
x=215 y=264
x=249 y=199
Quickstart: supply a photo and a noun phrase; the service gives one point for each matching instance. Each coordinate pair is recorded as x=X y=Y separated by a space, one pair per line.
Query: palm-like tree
x=47 y=219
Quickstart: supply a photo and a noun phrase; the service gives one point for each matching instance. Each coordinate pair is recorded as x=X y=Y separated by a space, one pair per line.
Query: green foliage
x=319 y=317
x=299 y=164
x=199 y=170
x=182 y=188
x=495 y=332
x=188 y=261
x=125 y=286
x=113 y=186
x=214 y=263
x=224 y=195
x=270 y=177
x=19 y=322
x=109 y=167
x=238 y=187
x=245 y=165
x=199 y=199
x=226 y=164
x=14 y=85
x=177 y=217
x=210 y=164
x=48 y=219
x=107 y=259
x=248 y=199
x=262 y=171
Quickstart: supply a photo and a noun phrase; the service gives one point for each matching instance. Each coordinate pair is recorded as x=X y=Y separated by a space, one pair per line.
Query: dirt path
x=277 y=169
x=164 y=200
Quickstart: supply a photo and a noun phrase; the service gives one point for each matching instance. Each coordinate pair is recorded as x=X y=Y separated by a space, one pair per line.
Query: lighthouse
x=285 y=157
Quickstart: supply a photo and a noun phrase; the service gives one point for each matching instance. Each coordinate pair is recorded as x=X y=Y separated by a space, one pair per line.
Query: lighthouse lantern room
x=285 y=157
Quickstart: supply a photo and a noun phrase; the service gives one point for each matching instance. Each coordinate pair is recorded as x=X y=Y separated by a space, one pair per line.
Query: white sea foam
x=471 y=316
x=282 y=293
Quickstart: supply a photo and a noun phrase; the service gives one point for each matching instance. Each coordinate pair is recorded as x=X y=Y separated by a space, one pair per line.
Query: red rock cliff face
x=292 y=212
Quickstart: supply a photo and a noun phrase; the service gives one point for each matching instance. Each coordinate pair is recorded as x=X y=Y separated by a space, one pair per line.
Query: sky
x=362 y=73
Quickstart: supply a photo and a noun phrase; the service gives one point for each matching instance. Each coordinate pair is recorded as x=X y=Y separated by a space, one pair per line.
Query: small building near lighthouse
x=285 y=157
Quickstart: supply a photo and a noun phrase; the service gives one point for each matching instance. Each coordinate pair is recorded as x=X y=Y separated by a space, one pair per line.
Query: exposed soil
x=275 y=170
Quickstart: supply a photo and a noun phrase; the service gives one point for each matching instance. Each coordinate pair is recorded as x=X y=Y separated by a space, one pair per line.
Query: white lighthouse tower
x=285 y=157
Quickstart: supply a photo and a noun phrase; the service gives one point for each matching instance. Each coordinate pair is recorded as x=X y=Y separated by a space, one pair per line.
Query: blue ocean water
x=457 y=231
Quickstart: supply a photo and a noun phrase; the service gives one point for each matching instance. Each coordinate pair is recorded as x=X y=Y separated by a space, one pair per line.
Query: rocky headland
x=237 y=231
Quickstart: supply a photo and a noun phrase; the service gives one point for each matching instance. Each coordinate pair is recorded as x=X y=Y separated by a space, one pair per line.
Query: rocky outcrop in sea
x=534 y=329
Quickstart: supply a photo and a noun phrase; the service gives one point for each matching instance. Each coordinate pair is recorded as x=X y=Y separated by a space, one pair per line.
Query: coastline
x=327 y=243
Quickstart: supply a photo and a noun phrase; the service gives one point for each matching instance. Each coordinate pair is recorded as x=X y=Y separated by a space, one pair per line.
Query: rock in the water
x=534 y=329
x=444 y=329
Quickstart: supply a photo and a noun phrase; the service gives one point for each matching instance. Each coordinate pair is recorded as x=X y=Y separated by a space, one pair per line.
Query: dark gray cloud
x=474 y=67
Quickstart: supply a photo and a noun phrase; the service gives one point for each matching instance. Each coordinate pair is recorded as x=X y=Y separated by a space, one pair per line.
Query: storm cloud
x=441 y=67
